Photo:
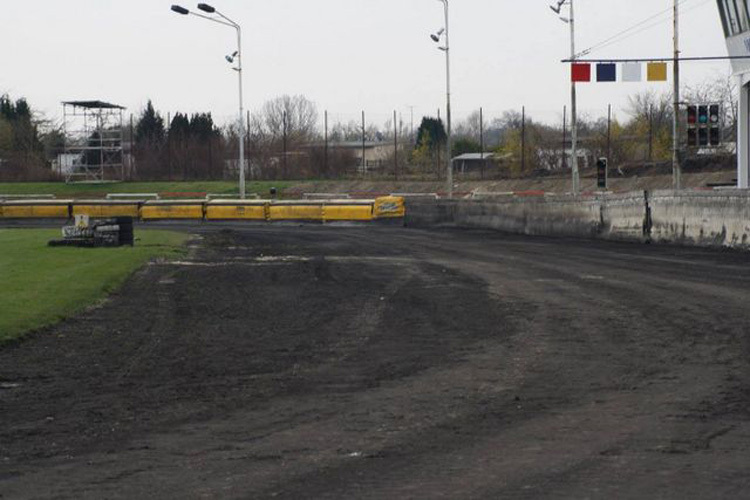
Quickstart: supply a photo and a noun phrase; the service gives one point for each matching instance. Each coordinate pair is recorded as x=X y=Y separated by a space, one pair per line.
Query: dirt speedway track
x=322 y=362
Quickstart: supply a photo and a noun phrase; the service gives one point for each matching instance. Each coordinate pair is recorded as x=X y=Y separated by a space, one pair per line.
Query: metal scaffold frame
x=93 y=142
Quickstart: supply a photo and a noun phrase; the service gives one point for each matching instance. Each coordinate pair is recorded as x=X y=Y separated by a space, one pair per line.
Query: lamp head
x=206 y=8
x=436 y=37
x=556 y=9
x=180 y=10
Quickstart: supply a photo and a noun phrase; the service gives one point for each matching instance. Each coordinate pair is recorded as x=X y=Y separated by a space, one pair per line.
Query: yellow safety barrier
x=236 y=210
x=360 y=212
x=389 y=207
x=105 y=210
x=186 y=209
x=36 y=209
x=280 y=210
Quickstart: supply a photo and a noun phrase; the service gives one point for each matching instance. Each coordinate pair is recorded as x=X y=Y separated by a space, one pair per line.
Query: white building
x=735 y=16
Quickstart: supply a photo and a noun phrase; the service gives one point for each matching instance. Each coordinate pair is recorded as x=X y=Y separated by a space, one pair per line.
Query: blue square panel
x=606 y=72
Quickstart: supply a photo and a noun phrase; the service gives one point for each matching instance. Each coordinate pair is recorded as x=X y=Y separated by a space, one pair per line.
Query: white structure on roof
x=735 y=17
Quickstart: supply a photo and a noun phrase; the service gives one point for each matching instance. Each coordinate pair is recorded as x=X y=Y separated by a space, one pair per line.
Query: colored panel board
x=348 y=212
x=171 y=212
x=606 y=72
x=657 y=72
x=580 y=72
x=236 y=212
x=35 y=211
x=106 y=211
x=389 y=207
x=632 y=72
x=295 y=212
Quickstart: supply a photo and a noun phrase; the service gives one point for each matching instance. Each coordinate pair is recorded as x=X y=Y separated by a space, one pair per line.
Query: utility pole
x=609 y=142
x=650 y=132
x=364 y=154
x=449 y=147
x=169 y=146
x=573 y=110
x=609 y=134
x=563 y=160
x=284 y=140
x=411 y=132
x=395 y=146
x=523 y=139
x=247 y=141
x=481 y=138
x=325 y=164
x=676 y=166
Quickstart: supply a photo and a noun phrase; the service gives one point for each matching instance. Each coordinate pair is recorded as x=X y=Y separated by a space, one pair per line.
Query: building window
x=734 y=17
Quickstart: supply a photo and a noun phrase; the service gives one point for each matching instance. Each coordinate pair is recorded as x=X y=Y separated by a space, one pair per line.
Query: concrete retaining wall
x=715 y=218
x=711 y=218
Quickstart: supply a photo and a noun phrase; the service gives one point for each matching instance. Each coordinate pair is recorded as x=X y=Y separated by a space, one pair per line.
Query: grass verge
x=42 y=285
x=62 y=190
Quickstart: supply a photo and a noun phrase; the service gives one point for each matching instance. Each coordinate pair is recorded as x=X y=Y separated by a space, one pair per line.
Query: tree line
x=284 y=139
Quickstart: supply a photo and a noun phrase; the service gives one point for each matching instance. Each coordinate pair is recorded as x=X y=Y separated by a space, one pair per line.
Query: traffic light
x=703 y=115
x=714 y=120
x=601 y=173
x=692 y=121
x=692 y=115
x=704 y=125
x=692 y=137
x=703 y=137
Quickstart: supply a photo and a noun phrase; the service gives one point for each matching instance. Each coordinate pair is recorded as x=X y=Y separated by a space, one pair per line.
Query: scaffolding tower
x=93 y=142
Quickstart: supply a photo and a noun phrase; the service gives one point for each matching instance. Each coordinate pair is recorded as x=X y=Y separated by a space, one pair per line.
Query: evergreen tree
x=150 y=128
x=432 y=132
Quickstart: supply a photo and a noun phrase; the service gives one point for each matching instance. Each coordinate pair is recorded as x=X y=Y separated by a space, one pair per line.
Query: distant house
x=376 y=154
x=67 y=163
x=474 y=162
x=551 y=159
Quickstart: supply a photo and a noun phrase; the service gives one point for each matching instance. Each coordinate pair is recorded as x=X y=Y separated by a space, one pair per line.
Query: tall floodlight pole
x=235 y=57
x=574 y=107
x=676 y=165
x=573 y=99
x=446 y=48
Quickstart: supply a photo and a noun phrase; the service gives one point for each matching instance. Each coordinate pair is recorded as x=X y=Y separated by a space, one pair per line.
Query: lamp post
x=573 y=99
x=444 y=32
x=236 y=56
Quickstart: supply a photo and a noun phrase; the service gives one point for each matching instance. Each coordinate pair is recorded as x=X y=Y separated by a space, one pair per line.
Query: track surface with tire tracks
x=382 y=362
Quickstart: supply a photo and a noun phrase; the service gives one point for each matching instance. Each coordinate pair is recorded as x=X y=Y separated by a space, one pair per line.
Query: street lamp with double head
x=235 y=57
x=573 y=101
x=437 y=38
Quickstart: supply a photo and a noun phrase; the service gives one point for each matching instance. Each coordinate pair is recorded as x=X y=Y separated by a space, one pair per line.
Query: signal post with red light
x=704 y=125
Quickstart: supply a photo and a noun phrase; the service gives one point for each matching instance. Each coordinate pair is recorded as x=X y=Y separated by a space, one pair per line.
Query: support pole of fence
x=523 y=139
x=481 y=139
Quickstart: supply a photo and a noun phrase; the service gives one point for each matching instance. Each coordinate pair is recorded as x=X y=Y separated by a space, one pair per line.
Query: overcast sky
x=345 y=55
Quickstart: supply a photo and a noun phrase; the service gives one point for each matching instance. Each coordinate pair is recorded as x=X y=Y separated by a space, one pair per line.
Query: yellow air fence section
x=239 y=211
x=347 y=212
x=152 y=211
x=295 y=212
x=32 y=210
x=105 y=211
x=389 y=207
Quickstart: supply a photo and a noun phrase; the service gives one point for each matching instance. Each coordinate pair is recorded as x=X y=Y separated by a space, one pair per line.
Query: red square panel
x=580 y=72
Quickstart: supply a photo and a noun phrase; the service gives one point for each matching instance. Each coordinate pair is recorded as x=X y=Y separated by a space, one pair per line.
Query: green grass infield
x=167 y=189
x=41 y=285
